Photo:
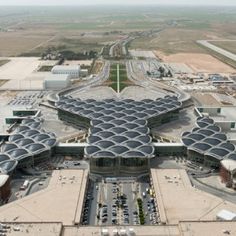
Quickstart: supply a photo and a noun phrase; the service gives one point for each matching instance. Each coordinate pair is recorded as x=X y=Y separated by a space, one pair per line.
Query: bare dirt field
x=198 y=62
x=206 y=99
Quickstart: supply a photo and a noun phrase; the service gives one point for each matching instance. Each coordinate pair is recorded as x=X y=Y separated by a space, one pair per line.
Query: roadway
x=219 y=50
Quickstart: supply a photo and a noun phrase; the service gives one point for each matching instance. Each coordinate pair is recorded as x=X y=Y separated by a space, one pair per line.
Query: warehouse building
x=56 y=81
x=72 y=70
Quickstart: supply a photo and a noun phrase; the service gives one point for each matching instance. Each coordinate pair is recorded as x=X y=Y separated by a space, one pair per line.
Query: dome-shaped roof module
x=161 y=109
x=118 y=122
x=36 y=148
x=27 y=121
x=4 y=157
x=96 y=122
x=140 y=115
x=202 y=124
x=90 y=100
x=8 y=146
x=146 y=149
x=22 y=128
x=18 y=153
x=41 y=137
x=118 y=115
x=91 y=150
x=128 y=112
x=128 y=100
x=119 y=103
x=118 y=130
x=108 y=106
x=188 y=141
x=95 y=130
x=35 y=125
x=96 y=115
x=228 y=146
x=107 y=112
x=139 y=109
x=147 y=101
x=219 y=152
x=201 y=147
x=212 y=141
x=151 y=112
x=69 y=100
x=8 y=166
x=109 y=100
x=128 y=105
x=144 y=139
x=88 y=106
x=118 y=109
x=105 y=126
x=105 y=134
x=232 y=156
x=97 y=109
x=206 y=120
x=138 y=103
x=133 y=154
x=196 y=136
x=214 y=128
x=118 y=149
x=15 y=137
x=24 y=142
x=186 y=133
x=131 y=134
x=86 y=113
x=133 y=144
x=31 y=133
x=142 y=130
x=195 y=130
x=130 y=118
x=51 y=142
x=118 y=139
x=103 y=144
x=206 y=132
x=104 y=154
x=94 y=139
x=131 y=126
x=106 y=118
x=220 y=136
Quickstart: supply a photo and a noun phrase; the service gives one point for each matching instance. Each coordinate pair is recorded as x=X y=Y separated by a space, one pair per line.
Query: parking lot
x=120 y=202
x=29 y=98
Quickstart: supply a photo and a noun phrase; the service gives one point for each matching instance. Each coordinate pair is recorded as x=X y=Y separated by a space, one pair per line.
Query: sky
x=117 y=2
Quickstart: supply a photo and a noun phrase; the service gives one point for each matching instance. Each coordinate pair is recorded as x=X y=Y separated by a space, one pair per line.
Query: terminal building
x=27 y=146
x=206 y=144
x=119 y=141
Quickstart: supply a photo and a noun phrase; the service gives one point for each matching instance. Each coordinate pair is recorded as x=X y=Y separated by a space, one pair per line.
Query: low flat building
x=177 y=200
x=62 y=201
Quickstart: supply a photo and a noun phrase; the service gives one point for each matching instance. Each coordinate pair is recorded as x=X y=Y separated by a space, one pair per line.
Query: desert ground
x=198 y=62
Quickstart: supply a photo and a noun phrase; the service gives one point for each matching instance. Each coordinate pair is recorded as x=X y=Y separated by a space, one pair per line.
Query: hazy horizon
x=116 y=2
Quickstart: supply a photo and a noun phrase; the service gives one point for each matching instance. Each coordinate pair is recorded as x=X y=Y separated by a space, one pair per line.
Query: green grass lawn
x=123 y=77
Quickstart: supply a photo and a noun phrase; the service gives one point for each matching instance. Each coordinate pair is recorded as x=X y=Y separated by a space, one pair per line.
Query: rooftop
x=61 y=201
x=179 y=201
